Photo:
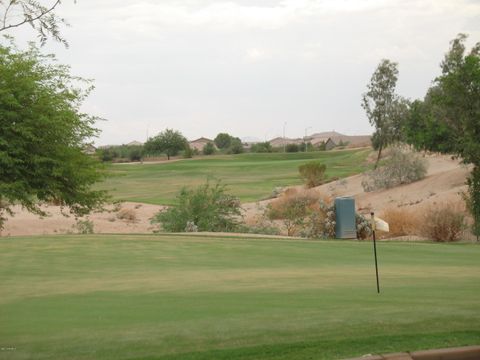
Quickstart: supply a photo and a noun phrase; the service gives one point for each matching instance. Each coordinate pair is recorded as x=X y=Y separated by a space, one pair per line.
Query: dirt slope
x=445 y=181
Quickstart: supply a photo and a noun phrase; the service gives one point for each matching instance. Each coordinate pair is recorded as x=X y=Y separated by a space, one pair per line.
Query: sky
x=250 y=67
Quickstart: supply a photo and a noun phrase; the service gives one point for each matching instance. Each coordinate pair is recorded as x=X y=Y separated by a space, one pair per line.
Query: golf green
x=251 y=177
x=186 y=297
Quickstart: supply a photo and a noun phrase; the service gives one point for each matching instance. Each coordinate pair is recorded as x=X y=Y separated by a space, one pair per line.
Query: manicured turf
x=179 y=297
x=251 y=177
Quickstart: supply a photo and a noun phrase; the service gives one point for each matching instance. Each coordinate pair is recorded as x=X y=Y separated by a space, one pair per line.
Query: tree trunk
x=379 y=156
x=168 y=156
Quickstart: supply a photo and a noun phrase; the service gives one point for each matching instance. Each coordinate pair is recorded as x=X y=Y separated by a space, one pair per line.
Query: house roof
x=202 y=139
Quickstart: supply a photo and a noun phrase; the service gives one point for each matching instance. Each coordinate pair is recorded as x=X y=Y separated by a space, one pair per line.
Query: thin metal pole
x=375 y=252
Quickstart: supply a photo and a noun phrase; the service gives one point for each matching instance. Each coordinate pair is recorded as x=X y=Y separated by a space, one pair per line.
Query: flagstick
x=375 y=251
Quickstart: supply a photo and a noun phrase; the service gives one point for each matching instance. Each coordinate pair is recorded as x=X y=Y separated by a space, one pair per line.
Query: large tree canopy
x=168 y=141
x=43 y=135
x=448 y=119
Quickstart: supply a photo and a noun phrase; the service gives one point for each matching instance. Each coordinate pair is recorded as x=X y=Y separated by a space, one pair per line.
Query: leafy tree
x=168 y=141
x=448 y=119
x=223 y=140
x=208 y=149
x=208 y=208
x=42 y=18
x=43 y=135
x=384 y=108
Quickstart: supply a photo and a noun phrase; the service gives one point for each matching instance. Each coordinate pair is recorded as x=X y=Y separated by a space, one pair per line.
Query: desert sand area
x=444 y=183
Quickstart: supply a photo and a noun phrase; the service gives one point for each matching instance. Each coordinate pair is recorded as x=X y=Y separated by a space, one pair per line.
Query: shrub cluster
x=403 y=167
x=441 y=223
x=205 y=208
x=121 y=153
x=308 y=214
x=293 y=207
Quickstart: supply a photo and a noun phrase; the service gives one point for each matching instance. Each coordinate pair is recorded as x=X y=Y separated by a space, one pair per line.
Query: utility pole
x=305 y=138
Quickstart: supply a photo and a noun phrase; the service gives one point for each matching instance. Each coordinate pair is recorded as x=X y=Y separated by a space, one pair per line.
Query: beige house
x=199 y=143
x=318 y=141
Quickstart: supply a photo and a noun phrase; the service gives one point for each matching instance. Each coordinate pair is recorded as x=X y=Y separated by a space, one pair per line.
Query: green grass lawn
x=180 y=297
x=251 y=177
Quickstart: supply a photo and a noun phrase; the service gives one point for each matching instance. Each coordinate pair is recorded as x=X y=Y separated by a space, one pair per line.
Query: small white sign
x=381 y=225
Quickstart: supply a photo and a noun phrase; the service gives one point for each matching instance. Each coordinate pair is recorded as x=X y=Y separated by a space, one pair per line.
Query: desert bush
x=208 y=207
x=188 y=152
x=443 y=223
x=208 y=149
x=127 y=214
x=292 y=148
x=403 y=167
x=363 y=226
x=292 y=208
x=84 y=226
x=402 y=221
x=312 y=173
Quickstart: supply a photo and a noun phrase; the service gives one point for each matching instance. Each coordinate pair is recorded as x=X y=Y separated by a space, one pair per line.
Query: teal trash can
x=345 y=227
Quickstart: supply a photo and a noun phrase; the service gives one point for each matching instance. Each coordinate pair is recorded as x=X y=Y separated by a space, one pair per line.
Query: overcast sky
x=248 y=66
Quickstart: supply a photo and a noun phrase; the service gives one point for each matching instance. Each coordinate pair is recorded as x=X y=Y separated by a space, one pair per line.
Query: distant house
x=89 y=149
x=198 y=144
x=135 y=143
x=318 y=141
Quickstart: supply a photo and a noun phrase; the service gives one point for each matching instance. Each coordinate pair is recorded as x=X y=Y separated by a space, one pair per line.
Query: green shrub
x=403 y=167
x=292 y=148
x=312 y=173
x=188 y=152
x=236 y=147
x=136 y=153
x=208 y=149
x=262 y=147
x=207 y=207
